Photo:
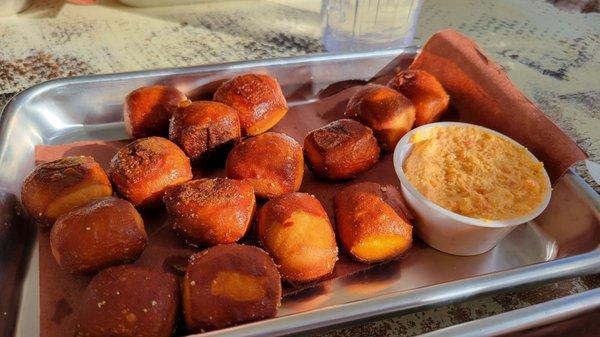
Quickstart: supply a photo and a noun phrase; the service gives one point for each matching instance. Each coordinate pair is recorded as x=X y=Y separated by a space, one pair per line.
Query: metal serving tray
x=562 y=242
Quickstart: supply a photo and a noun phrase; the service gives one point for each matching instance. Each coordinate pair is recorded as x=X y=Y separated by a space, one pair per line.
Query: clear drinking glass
x=352 y=25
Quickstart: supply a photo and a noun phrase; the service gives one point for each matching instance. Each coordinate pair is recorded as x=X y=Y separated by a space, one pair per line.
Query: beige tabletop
x=551 y=54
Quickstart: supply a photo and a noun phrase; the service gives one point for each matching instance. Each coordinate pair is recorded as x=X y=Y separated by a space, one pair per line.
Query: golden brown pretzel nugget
x=368 y=227
x=211 y=211
x=128 y=301
x=229 y=284
x=272 y=163
x=341 y=149
x=295 y=230
x=57 y=187
x=387 y=112
x=258 y=100
x=103 y=233
x=205 y=130
x=147 y=110
x=426 y=93
x=144 y=168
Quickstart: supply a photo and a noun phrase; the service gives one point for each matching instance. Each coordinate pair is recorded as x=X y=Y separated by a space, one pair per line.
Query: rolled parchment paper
x=483 y=94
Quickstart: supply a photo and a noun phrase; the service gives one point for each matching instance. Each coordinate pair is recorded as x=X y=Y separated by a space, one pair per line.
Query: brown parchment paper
x=480 y=93
x=483 y=94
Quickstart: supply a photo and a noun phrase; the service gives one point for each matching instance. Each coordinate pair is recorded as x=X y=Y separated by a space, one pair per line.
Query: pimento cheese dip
x=475 y=173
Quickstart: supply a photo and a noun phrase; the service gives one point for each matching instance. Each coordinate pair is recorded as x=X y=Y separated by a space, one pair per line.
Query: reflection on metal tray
x=562 y=242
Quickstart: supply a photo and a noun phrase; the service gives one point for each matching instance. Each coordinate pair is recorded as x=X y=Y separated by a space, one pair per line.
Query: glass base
x=336 y=43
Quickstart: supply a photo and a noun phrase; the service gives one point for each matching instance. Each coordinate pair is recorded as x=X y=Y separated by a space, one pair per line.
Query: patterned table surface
x=553 y=55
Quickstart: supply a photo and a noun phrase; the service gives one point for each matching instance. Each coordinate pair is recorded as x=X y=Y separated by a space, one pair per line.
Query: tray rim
x=402 y=301
x=531 y=317
x=33 y=90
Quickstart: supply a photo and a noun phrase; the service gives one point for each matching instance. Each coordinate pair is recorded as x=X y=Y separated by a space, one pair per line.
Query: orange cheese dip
x=474 y=173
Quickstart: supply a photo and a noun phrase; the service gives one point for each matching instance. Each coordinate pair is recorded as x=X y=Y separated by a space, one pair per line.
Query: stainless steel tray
x=562 y=242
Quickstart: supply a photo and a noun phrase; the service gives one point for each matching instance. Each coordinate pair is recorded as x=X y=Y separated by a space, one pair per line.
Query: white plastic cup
x=159 y=3
x=445 y=230
x=11 y=7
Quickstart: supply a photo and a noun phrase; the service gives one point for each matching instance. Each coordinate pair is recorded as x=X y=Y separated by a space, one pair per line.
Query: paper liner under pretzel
x=59 y=291
x=461 y=67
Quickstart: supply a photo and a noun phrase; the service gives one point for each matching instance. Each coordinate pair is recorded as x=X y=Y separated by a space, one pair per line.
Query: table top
x=552 y=54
